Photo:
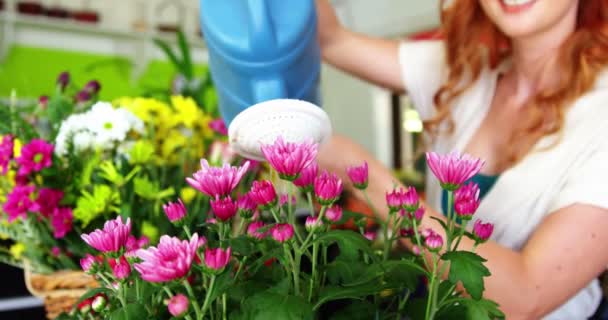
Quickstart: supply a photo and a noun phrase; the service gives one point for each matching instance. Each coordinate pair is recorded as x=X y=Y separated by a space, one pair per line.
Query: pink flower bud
x=246 y=205
x=370 y=235
x=307 y=177
x=482 y=231
x=466 y=200
x=263 y=193
x=217 y=258
x=358 y=175
x=282 y=232
x=334 y=213
x=120 y=267
x=253 y=230
x=328 y=188
x=434 y=242
x=224 y=208
x=178 y=305
x=312 y=223
x=88 y=263
x=175 y=211
x=416 y=250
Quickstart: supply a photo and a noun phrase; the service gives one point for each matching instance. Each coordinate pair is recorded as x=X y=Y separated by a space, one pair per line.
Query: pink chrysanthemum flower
x=289 y=158
x=434 y=242
x=48 y=200
x=253 y=230
x=224 y=208
x=88 y=263
x=219 y=126
x=215 y=181
x=217 y=258
x=61 y=221
x=307 y=177
x=282 y=232
x=453 y=169
x=171 y=259
x=334 y=213
x=466 y=200
x=120 y=267
x=246 y=206
x=6 y=152
x=19 y=202
x=112 y=238
x=312 y=223
x=358 y=175
x=175 y=211
x=178 y=305
x=482 y=231
x=35 y=156
x=370 y=235
x=263 y=193
x=328 y=188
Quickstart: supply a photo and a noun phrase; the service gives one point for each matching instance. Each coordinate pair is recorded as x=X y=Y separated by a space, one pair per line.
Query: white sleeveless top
x=574 y=171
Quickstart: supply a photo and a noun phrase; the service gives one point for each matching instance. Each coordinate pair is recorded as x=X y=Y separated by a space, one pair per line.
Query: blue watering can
x=265 y=61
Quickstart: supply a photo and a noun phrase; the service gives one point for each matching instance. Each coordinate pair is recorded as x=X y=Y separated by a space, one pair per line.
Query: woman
x=520 y=84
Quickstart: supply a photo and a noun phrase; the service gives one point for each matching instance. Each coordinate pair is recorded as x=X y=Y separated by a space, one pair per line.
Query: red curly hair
x=466 y=28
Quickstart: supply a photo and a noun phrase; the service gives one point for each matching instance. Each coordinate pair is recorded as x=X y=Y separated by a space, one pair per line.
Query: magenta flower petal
x=178 y=305
x=307 y=177
x=219 y=126
x=282 y=232
x=175 y=211
x=6 y=153
x=217 y=258
x=61 y=221
x=35 y=156
x=466 y=200
x=358 y=175
x=253 y=230
x=215 y=181
x=224 y=209
x=433 y=242
x=120 y=267
x=263 y=193
x=171 y=259
x=19 y=202
x=453 y=169
x=112 y=238
x=334 y=213
x=48 y=200
x=482 y=231
x=289 y=158
x=328 y=188
x=312 y=223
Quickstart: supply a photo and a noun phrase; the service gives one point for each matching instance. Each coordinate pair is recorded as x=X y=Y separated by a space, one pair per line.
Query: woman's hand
x=372 y=59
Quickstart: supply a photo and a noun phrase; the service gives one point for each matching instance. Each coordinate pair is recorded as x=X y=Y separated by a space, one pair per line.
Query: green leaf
x=467 y=267
x=350 y=243
x=358 y=310
x=186 y=59
x=441 y=222
x=169 y=53
x=133 y=311
x=469 y=309
x=269 y=305
x=330 y=293
x=242 y=245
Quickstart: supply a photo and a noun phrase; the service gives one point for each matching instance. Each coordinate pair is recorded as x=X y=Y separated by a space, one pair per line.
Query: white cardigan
x=574 y=171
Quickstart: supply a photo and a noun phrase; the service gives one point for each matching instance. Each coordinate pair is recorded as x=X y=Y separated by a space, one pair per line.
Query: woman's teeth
x=516 y=2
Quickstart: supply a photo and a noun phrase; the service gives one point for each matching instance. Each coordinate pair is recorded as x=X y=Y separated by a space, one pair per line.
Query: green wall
x=32 y=72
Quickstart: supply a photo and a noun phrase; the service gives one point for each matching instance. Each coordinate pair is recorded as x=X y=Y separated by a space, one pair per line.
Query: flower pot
x=59 y=290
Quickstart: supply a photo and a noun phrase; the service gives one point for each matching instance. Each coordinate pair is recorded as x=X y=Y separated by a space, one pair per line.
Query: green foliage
x=271 y=305
x=467 y=267
x=103 y=200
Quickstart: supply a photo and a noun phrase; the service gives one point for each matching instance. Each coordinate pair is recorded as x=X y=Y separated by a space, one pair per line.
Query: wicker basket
x=59 y=290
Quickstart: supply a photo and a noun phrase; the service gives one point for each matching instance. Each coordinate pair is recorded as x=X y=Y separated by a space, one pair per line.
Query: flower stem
x=310 y=205
x=431 y=298
x=419 y=243
x=387 y=242
x=460 y=235
x=187 y=231
x=207 y=297
x=224 y=306
x=315 y=249
x=197 y=308
x=295 y=268
x=450 y=218
x=290 y=213
x=275 y=215
x=402 y=304
x=241 y=225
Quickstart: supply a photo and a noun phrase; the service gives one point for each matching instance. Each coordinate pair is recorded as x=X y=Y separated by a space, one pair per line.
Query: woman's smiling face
x=526 y=18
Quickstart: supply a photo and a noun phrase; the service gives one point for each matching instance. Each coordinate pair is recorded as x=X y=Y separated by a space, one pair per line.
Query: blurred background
x=125 y=45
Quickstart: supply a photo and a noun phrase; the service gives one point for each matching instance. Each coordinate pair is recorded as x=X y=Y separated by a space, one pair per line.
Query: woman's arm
x=567 y=250
x=371 y=59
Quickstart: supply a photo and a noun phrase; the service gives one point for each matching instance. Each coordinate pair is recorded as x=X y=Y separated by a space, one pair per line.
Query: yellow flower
x=17 y=250
x=187 y=194
x=17 y=148
x=172 y=144
x=187 y=112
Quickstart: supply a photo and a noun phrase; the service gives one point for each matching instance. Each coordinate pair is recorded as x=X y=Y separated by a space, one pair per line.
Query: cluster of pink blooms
x=452 y=171
x=25 y=197
x=403 y=199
